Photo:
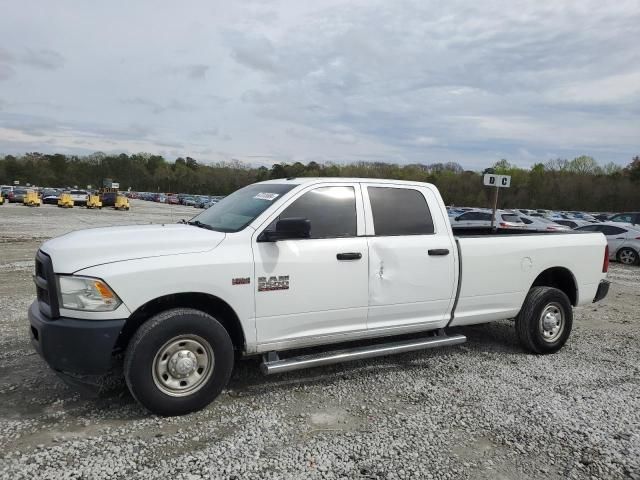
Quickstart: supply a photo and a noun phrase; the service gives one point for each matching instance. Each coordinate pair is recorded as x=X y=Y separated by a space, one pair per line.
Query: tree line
x=577 y=184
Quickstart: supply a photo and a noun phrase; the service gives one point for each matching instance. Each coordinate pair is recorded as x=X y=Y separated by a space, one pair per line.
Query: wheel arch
x=561 y=278
x=205 y=302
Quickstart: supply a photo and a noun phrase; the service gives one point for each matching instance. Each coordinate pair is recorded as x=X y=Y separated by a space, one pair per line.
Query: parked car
x=5 y=189
x=79 y=197
x=108 y=199
x=173 y=200
x=482 y=219
x=541 y=224
x=573 y=223
x=627 y=217
x=202 y=202
x=602 y=217
x=623 y=240
x=284 y=265
x=188 y=201
x=17 y=195
x=50 y=196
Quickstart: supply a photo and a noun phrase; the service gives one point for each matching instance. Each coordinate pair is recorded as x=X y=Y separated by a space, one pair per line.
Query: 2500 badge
x=268 y=284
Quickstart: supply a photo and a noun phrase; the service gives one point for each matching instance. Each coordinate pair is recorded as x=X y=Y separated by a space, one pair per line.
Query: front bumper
x=603 y=290
x=73 y=345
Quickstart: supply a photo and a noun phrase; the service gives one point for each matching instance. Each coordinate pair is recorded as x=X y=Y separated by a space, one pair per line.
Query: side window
x=331 y=211
x=471 y=216
x=590 y=228
x=526 y=220
x=609 y=230
x=399 y=211
x=484 y=216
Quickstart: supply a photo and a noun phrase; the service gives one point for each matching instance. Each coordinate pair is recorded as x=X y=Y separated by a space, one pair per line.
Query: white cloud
x=338 y=80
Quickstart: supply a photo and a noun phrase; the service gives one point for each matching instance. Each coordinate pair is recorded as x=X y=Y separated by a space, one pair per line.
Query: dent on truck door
x=411 y=260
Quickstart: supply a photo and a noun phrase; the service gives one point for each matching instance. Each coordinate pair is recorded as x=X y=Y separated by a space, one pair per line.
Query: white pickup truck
x=359 y=267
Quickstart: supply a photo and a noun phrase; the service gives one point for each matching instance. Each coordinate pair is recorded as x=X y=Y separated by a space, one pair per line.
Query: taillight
x=605 y=263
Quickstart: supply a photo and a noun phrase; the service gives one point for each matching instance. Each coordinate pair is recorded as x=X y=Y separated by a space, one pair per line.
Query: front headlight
x=86 y=293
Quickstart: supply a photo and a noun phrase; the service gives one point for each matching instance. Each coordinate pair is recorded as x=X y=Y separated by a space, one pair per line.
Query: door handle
x=439 y=251
x=349 y=256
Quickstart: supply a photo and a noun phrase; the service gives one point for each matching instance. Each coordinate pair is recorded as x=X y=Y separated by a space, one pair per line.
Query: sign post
x=497 y=181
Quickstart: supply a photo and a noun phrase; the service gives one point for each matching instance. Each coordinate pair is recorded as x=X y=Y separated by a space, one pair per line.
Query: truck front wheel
x=178 y=361
x=545 y=320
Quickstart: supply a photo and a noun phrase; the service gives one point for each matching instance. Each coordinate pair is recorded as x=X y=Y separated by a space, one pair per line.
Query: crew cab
x=355 y=268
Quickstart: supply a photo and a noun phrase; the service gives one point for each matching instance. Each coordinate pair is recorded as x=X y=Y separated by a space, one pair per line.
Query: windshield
x=235 y=212
x=511 y=218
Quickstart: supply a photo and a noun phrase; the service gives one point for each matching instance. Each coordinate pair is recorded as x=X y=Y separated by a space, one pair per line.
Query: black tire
x=529 y=322
x=153 y=336
x=631 y=257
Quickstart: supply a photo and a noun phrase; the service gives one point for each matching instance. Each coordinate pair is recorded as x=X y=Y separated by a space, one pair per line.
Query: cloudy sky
x=331 y=80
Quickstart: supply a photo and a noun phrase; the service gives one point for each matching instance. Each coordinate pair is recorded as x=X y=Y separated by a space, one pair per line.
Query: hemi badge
x=240 y=281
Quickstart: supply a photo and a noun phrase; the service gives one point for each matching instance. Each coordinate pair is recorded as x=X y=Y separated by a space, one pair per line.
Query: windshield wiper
x=198 y=223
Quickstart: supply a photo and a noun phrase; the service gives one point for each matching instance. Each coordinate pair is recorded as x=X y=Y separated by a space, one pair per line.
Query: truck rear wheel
x=544 y=323
x=178 y=362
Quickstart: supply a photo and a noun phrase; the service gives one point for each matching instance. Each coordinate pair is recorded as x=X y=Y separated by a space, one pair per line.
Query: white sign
x=16 y=182
x=115 y=185
x=491 y=180
x=270 y=197
x=88 y=187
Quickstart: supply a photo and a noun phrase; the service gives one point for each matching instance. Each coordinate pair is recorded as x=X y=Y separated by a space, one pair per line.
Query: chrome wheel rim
x=183 y=365
x=628 y=257
x=552 y=322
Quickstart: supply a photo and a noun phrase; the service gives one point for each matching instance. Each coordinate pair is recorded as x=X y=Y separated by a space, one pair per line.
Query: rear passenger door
x=412 y=269
x=616 y=236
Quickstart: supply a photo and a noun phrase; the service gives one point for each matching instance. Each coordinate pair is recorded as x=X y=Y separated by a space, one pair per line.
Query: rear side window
x=609 y=230
x=400 y=211
x=331 y=211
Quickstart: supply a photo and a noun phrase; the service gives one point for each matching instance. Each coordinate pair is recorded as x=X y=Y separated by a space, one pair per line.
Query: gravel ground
x=483 y=410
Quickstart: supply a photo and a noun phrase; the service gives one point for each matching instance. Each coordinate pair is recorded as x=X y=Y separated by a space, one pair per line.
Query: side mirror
x=287 y=228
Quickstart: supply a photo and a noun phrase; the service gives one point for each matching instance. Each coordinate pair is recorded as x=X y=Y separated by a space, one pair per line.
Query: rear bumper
x=603 y=290
x=74 y=345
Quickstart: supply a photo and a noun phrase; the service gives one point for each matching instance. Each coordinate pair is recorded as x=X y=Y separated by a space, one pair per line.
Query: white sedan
x=623 y=240
x=482 y=219
x=541 y=224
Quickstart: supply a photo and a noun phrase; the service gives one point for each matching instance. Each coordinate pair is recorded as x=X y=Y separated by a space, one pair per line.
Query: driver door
x=314 y=287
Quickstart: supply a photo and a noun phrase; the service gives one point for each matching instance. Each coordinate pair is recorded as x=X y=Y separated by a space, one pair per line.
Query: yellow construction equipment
x=1 y=199
x=94 y=201
x=65 y=200
x=31 y=199
x=122 y=203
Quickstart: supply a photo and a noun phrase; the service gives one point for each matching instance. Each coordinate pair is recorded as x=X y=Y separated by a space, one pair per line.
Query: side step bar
x=273 y=364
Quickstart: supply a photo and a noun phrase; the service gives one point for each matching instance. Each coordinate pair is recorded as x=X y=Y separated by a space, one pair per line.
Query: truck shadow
x=45 y=395
x=493 y=338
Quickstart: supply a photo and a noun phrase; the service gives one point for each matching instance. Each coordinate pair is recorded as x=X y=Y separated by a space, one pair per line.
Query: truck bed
x=497 y=270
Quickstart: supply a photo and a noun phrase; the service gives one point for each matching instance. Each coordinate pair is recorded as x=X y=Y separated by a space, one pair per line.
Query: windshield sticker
x=267 y=196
